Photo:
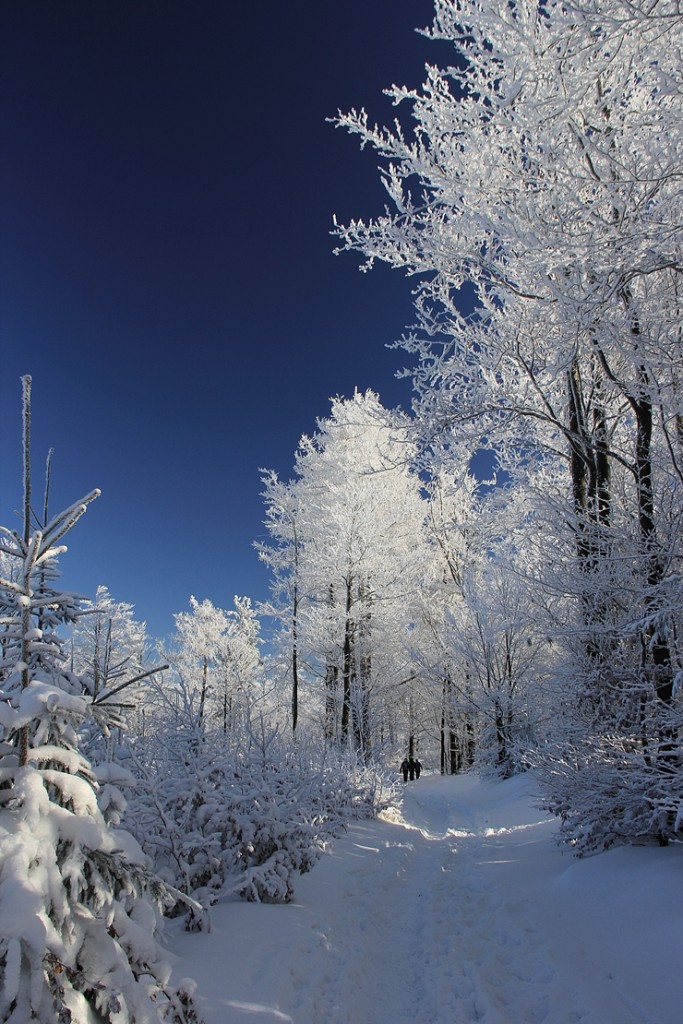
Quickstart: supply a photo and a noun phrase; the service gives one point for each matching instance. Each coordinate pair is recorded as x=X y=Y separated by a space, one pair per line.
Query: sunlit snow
x=456 y=906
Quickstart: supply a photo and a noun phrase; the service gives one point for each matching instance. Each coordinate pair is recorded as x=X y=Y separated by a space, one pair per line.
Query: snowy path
x=456 y=907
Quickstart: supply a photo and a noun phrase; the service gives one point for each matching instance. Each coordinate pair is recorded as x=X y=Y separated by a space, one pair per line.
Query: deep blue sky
x=168 y=183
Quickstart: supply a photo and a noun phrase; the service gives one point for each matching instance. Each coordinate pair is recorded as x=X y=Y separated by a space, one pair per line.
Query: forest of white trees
x=526 y=617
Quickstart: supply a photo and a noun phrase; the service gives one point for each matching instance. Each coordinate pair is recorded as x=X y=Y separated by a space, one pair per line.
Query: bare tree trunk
x=442 y=745
x=657 y=642
x=454 y=752
x=411 y=727
x=202 y=696
x=348 y=665
x=470 y=746
x=591 y=491
x=295 y=656
x=331 y=685
x=364 y=677
x=451 y=756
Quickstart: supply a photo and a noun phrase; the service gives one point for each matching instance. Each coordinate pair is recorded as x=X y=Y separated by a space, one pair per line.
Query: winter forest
x=523 y=617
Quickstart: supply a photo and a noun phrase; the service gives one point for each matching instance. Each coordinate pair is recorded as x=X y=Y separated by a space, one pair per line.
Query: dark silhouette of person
x=418 y=768
x=411 y=767
x=405 y=768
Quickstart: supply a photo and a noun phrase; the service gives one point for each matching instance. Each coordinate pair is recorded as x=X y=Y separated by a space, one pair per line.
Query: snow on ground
x=456 y=906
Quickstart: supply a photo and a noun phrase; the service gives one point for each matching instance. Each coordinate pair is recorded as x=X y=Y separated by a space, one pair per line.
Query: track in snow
x=422 y=934
x=454 y=907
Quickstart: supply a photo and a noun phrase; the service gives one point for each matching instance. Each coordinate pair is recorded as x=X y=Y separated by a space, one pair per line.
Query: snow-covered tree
x=79 y=907
x=283 y=556
x=108 y=643
x=108 y=651
x=347 y=558
x=482 y=640
x=216 y=654
x=538 y=200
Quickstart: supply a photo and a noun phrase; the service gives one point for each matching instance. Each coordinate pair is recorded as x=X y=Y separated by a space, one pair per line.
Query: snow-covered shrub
x=346 y=790
x=178 y=814
x=220 y=825
x=221 y=821
x=611 y=790
x=272 y=831
x=283 y=810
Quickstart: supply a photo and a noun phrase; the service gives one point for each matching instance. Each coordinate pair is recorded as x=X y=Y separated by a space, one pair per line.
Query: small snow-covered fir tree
x=108 y=643
x=78 y=906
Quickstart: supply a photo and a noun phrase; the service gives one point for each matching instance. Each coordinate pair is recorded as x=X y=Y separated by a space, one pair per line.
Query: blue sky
x=167 y=192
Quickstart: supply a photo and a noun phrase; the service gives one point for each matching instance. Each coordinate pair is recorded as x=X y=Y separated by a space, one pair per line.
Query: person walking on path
x=418 y=768
x=405 y=768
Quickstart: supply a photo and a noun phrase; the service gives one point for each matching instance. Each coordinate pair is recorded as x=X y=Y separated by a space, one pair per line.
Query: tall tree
x=283 y=557
x=483 y=631
x=539 y=200
x=349 y=550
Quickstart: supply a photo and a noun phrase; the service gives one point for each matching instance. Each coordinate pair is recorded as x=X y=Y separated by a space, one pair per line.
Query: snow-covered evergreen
x=79 y=907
